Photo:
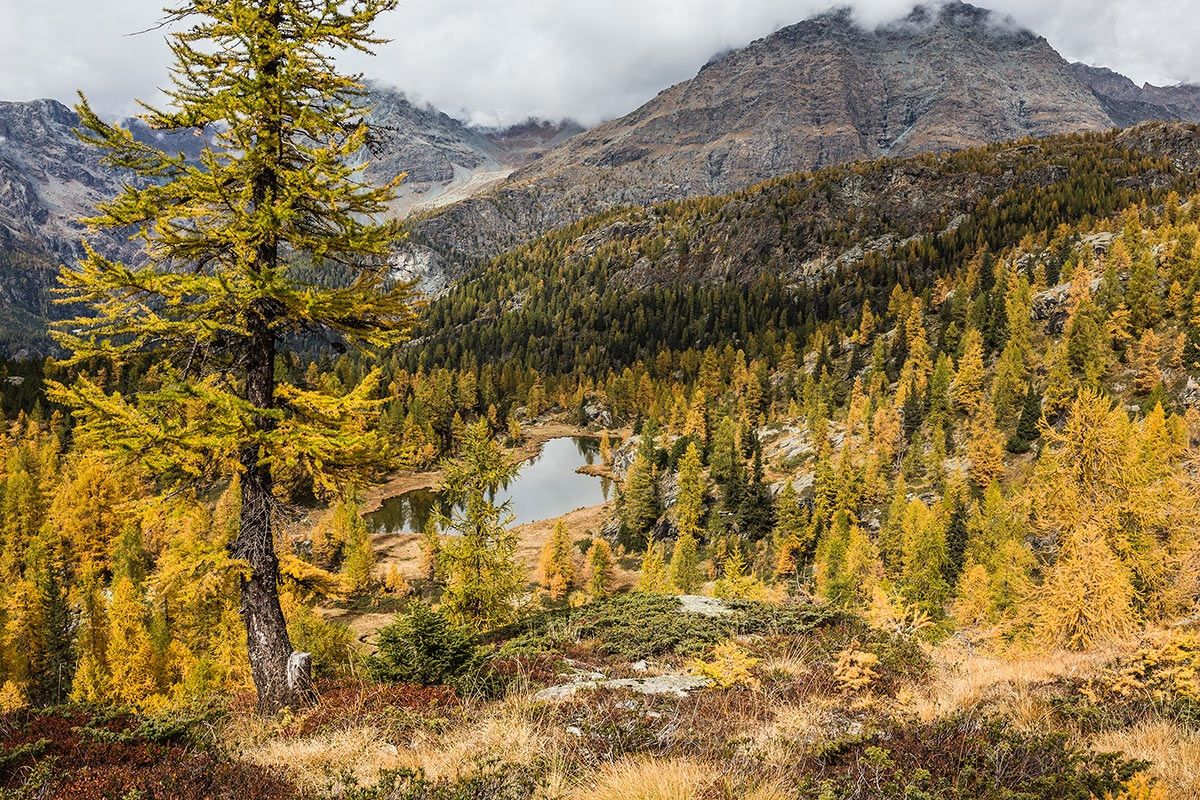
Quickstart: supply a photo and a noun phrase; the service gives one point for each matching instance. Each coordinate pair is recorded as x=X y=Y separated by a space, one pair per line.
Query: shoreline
x=535 y=438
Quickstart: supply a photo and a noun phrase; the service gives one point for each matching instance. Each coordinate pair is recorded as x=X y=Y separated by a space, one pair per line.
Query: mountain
x=49 y=180
x=445 y=160
x=824 y=91
x=1128 y=104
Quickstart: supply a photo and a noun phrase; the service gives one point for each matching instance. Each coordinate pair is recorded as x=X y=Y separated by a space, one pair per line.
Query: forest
x=906 y=502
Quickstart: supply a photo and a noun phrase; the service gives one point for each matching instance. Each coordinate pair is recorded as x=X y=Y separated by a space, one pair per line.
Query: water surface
x=546 y=487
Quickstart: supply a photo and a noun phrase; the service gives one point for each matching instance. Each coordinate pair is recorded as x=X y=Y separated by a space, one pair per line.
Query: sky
x=498 y=62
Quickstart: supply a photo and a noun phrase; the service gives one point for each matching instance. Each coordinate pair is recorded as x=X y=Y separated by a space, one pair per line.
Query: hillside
x=800 y=250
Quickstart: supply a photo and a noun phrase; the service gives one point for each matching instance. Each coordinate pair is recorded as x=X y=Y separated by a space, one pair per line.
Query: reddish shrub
x=353 y=702
x=76 y=756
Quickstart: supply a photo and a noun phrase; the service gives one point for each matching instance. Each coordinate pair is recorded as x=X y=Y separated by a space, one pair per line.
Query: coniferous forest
x=901 y=462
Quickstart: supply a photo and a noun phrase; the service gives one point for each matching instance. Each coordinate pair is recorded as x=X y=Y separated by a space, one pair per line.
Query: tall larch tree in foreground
x=269 y=235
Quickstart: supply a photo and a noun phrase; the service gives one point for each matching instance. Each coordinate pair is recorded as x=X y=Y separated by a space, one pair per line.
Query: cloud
x=501 y=61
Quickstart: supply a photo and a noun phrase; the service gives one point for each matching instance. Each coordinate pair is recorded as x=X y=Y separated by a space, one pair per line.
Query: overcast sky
x=501 y=61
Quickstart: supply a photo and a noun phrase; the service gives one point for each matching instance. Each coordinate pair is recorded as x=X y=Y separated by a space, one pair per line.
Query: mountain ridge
x=822 y=91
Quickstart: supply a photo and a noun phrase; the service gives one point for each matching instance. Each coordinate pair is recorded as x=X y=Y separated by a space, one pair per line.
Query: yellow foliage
x=1141 y=787
x=1165 y=670
x=729 y=666
x=395 y=582
x=855 y=669
x=736 y=584
x=1087 y=598
x=556 y=566
x=12 y=698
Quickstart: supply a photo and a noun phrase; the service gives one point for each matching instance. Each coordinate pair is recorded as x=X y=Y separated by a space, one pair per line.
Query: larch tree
x=654 y=578
x=685 y=564
x=689 y=506
x=556 y=564
x=483 y=579
x=598 y=570
x=270 y=234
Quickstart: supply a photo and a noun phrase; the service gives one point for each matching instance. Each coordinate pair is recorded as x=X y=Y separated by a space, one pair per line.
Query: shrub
x=965 y=758
x=1162 y=678
x=71 y=755
x=331 y=644
x=855 y=669
x=730 y=666
x=422 y=647
x=492 y=780
x=634 y=626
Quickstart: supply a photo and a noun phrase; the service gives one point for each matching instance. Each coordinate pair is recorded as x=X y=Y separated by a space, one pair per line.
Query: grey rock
x=678 y=684
x=1128 y=104
x=703 y=605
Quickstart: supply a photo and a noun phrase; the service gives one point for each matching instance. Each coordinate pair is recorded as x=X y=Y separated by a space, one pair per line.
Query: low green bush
x=422 y=647
x=635 y=626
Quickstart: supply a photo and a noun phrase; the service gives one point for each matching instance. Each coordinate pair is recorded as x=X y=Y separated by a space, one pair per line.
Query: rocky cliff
x=820 y=92
x=1128 y=104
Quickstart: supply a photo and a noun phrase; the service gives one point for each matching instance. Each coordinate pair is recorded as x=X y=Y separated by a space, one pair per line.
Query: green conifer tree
x=268 y=233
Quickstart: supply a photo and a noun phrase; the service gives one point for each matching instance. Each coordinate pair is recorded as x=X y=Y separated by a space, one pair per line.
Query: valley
x=826 y=428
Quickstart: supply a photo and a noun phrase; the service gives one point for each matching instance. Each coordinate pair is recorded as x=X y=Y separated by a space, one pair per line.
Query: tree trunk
x=282 y=677
x=267 y=639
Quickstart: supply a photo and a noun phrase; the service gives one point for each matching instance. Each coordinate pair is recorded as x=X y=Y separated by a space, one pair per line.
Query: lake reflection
x=546 y=487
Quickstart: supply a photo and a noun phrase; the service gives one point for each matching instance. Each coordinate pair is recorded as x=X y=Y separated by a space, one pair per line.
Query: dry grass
x=967 y=678
x=650 y=779
x=669 y=779
x=312 y=762
x=510 y=730
x=795 y=729
x=1172 y=750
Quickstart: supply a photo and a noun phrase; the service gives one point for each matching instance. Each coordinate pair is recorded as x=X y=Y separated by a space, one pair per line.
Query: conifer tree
x=689 y=504
x=736 y=583
x=1146 y=359
x=598 y=570
x=956 y=537
x=90 y=684
x=1145 y=295
x=1027 y=425
x=723 y=461
x=968 y=380
x=1087 y=597
x=829 y=569
x=792 y=546
x=90 y=511
x=130 y=648
x=639 y=498
x=479 y=568
x=685 y=564
x=985 y=450
x=270 y=232
x=1060 y=384
x=654 y=578
x=556 y=564
x=358 y=556
x=923 y=559
x=755 y=511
